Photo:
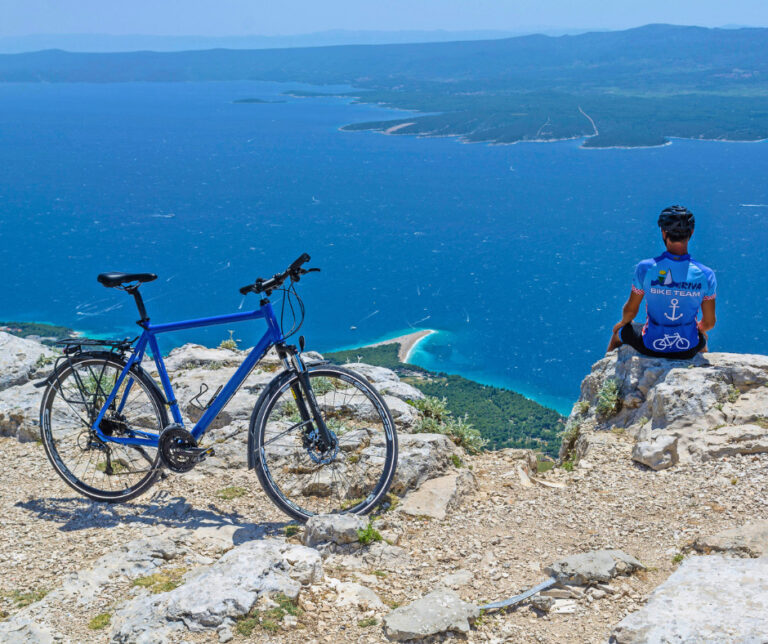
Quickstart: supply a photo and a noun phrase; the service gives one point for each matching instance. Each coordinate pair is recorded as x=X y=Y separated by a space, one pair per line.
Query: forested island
x=626 y=88
x=503 y=417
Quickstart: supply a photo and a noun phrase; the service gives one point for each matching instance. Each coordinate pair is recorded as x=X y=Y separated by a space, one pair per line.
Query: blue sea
x=519 y=256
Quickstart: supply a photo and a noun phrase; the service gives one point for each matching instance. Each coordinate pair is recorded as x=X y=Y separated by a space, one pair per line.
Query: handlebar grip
x=297 y=264
x=244 y=290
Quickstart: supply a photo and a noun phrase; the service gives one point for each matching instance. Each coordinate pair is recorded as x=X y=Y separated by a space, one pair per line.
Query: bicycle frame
x=147 y=340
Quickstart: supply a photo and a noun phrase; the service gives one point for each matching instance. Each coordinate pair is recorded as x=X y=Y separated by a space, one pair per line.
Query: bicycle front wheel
x=351 y=475
x=101 y=470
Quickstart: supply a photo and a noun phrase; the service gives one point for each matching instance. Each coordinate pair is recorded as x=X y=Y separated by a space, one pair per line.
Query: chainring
x=176 y=447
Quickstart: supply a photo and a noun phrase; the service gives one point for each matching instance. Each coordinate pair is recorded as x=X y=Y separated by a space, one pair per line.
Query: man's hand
x=628 y=313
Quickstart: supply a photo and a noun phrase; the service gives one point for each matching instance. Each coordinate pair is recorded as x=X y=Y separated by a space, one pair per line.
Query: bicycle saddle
x=110 y=280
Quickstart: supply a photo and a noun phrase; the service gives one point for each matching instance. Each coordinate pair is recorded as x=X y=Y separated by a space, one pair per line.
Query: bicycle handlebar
x=294 y=272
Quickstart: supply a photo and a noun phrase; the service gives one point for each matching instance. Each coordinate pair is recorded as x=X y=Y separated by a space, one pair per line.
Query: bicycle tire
x=56 y=389
x=259 y=458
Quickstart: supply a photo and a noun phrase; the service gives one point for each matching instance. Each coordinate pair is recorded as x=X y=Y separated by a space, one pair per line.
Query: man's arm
x=708 y=318
x=628 y=313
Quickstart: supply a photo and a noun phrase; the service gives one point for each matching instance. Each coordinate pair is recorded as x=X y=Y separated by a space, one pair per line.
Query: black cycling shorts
x=632 y=334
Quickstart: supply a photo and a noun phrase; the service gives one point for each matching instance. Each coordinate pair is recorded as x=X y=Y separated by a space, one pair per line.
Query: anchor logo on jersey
x=674 y=304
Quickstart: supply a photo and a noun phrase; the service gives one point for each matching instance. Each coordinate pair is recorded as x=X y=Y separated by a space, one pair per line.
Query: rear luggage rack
x=75 y=345
x=71 y=347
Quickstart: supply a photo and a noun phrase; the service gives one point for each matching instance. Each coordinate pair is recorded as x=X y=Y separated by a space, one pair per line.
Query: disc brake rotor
x=322 y=457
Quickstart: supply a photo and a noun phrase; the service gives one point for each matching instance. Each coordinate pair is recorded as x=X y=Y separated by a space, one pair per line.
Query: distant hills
x=625 y=88
x=103 y=43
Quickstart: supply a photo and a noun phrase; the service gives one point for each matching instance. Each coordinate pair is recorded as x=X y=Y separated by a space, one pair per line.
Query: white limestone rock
x=750 y=540
x=225 y=591
x=350 y=593
x=378 y=376
x=401 y=390
x=441 y=611
x=340 y=529
x=708 y=599
x=593 y=567
x=436 y=497
x=422 y=457
x=20 y=412
x=22 y=360
x=727 y=441
x=715 y=404
x=658 y=454
x=20 y=630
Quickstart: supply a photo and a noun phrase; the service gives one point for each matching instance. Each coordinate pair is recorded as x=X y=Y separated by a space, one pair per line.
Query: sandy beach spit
x=407 y=343
x=395 y=128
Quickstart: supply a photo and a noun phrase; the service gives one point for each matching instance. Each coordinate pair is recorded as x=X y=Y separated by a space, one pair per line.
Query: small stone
x=542 y=603
x=658 y=454
x=340 y=529
x=439 y=612
x=592 y=567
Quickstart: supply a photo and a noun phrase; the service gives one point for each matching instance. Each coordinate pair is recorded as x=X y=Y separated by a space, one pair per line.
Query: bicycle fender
x=276 y=382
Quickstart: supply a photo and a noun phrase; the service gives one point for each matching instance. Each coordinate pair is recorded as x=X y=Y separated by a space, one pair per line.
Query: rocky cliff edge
x=654 y=526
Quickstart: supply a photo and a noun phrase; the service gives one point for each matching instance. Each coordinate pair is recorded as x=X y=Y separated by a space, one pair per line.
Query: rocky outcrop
x=82 y=589
x=21 y=360
x=422 y=457
x=711 y=406
x=208 y=558
x=220 y=594
x=20 y=412
x=707 y=599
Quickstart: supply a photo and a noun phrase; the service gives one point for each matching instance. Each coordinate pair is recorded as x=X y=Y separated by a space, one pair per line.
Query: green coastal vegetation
x=504 y=418
x=46 y=333
x=637 y=87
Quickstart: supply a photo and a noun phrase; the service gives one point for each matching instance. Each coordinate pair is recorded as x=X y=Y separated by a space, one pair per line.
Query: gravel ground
x=504 y=533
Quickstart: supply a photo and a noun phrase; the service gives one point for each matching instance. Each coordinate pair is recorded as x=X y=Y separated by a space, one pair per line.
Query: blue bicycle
x=321 y=438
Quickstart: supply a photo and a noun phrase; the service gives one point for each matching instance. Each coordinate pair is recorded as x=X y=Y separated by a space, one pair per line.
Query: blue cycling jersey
x=674 y=287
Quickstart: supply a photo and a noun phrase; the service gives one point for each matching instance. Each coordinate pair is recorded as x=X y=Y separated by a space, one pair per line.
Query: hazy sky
x=274 y=17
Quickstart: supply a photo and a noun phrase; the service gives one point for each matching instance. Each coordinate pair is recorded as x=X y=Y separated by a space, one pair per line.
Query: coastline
x=407 y=342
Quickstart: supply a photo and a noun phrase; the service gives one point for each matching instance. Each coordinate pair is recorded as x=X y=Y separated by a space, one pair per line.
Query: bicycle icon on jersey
x=673 y=341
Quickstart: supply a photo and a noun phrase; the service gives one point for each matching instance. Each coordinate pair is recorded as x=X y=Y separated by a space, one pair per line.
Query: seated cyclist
x=675 y=287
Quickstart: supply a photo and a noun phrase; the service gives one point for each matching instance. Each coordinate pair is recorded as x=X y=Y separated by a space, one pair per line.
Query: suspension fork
x=303 y=394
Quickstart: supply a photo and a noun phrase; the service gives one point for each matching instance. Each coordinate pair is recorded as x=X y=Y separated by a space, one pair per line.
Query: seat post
x=134 y=290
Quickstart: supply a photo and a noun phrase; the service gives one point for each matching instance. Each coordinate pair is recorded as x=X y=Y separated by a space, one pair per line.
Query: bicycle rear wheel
x=101 y=470
x=350 y=476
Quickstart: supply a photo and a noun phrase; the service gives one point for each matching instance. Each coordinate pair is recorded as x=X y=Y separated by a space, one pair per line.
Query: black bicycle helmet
x=678 y=222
